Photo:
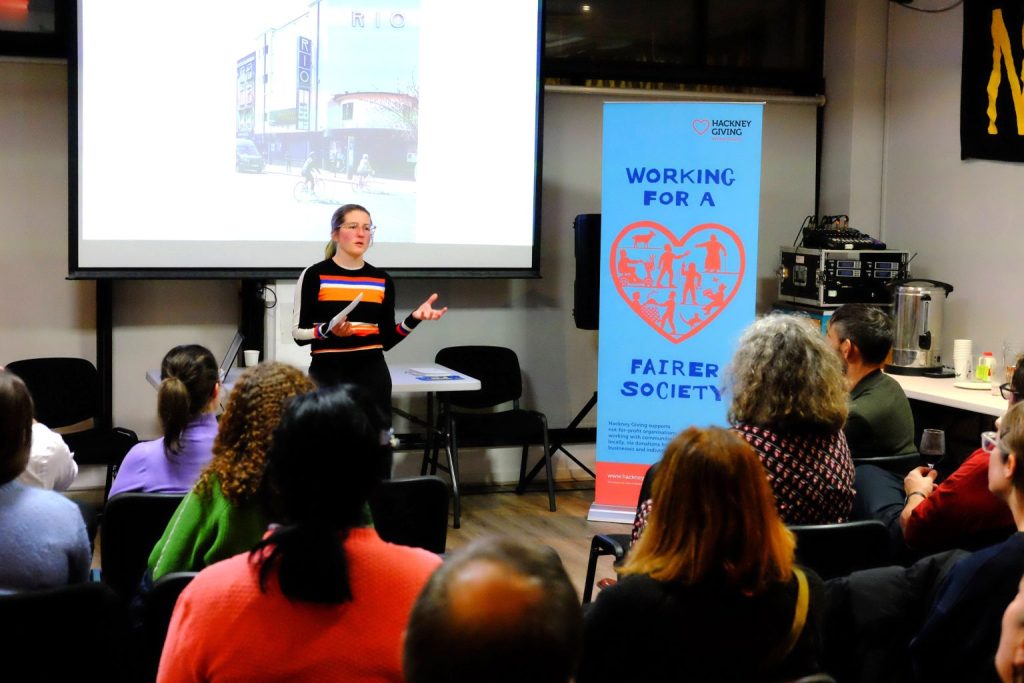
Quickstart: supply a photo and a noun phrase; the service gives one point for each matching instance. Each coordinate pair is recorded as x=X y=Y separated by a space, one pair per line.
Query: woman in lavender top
x=188 y=395
x=43 y=543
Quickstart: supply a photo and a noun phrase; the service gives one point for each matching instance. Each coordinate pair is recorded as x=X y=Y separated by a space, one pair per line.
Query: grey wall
x=45 y=314
x=960 y=217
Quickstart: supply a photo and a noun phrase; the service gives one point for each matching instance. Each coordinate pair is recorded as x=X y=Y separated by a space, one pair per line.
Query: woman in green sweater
x=222 y=515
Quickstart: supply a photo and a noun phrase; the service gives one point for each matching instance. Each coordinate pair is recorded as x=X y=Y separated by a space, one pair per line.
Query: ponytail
x=310 y=562
x=330 y=250
x=188 y=375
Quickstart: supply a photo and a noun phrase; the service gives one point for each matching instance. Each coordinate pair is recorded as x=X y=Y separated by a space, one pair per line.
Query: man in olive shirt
x=880 y=422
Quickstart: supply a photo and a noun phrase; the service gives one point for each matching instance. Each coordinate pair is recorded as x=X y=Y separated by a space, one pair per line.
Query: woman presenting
x=352 y=351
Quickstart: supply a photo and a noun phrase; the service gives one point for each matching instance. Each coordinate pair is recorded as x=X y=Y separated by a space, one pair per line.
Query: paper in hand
x=344 y=312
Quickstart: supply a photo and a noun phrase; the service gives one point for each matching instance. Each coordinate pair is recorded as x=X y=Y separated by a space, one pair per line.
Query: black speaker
x=586 y=288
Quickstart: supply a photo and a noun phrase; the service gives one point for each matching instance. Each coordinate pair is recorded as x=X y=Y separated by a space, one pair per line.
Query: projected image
x=327 y=107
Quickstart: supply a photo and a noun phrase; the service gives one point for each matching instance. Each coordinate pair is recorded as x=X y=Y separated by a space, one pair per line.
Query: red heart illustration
x=700 y=126
x=704 y=292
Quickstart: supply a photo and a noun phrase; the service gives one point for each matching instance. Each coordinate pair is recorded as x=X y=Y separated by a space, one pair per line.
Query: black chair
x=71 y=633
x=155 y=610
x=614 y=544
x=464 y=424
x=412 y=512
x=66 y=394
x=132 y=524
x=834 y=550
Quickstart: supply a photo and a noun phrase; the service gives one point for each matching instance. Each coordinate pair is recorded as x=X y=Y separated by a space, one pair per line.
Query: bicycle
x=362 y=183
x=302 y=191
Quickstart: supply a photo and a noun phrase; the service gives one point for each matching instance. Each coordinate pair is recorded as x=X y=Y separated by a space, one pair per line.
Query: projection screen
x=216 y=138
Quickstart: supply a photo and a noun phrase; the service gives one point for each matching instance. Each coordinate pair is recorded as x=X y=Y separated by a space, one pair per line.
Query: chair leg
x=452 y=449
x=108 y=483
x=430 y=435
x=435 y=453
x=550 y=469
x=426 y=453
x=588 y=583
x=521 y=486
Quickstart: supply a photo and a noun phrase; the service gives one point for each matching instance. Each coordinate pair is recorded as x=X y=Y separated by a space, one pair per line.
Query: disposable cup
x=252 y=357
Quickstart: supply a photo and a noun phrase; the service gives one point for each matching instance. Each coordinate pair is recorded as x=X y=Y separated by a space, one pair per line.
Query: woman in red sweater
x=322 y=597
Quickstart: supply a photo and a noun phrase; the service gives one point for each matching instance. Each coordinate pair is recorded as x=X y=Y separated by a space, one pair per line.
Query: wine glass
x=933 y=446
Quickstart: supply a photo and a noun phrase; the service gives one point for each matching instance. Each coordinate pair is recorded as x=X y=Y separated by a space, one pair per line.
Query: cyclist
x=364 y=170
x=308 y=169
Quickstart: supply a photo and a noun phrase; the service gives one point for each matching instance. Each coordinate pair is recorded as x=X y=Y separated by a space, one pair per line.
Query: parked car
x=247 y=156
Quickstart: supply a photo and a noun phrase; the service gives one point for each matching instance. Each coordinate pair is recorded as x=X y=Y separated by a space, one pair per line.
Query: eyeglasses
x=990 y=442
x=352 y=227
x=1007 y=391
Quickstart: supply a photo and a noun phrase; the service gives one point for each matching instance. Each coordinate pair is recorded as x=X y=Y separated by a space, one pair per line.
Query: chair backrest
x=132 y=524
x=65 y=391
x=412 y=512
x=496 y=367
x=157 y=606
x=71 y=633
x=834 y=550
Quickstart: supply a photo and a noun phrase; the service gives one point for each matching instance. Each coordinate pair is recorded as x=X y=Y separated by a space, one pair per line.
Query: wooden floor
x=527 y=518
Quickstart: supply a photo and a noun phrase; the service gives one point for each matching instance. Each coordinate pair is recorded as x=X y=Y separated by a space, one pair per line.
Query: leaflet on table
x=432 y=373
x=344 y=312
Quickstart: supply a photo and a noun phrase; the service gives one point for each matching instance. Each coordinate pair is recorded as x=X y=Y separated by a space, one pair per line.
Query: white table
x=942 y=392
x=405 y=382
x=402 y=380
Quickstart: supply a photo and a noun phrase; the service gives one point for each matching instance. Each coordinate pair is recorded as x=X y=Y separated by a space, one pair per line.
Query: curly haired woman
x=789 y=401
x=223 y=516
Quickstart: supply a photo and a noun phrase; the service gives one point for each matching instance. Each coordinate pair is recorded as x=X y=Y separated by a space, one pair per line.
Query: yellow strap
x=803 y=595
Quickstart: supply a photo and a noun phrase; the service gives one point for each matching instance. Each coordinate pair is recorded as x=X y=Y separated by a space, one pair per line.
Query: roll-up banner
x=680 y=198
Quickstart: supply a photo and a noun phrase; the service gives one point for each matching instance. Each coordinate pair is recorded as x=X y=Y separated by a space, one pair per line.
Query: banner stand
x=680 y=199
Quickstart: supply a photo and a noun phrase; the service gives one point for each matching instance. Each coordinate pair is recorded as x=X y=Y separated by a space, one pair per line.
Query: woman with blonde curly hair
x=789 y=401
x=223 y=515
x=710 y=591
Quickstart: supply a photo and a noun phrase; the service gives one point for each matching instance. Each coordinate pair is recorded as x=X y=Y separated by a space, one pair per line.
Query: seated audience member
x=1010 y=653
x=880 y=423
x=186 y=402
x=789 y=402
x=961 y=632
x=322 y=597
x=43 y=542
x=958 y=512
x=498 y=611
x=223 y=515
x=51 y=464
x=710 y=591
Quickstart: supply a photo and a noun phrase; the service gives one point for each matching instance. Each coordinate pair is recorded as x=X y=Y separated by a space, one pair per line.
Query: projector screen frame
x=76 y=271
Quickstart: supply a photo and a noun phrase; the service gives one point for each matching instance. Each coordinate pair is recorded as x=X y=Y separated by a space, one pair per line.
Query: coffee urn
x=918 y=305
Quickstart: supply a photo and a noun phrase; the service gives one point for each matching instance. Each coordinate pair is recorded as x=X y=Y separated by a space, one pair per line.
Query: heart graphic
x=700 y=126
x=679 y=294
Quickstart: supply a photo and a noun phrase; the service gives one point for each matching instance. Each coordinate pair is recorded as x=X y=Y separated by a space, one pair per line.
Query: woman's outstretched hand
x=426 y=311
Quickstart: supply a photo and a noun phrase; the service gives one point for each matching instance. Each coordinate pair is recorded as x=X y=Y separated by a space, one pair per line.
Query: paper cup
x=252 y=357
x=962 y=367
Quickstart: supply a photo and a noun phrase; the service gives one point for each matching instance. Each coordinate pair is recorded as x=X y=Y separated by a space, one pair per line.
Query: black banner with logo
x=991 y=89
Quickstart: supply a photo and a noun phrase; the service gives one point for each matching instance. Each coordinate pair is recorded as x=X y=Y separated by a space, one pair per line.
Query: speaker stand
x=561 y=447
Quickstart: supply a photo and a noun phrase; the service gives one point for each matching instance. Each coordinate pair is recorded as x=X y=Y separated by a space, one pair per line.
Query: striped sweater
x=326 y=288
